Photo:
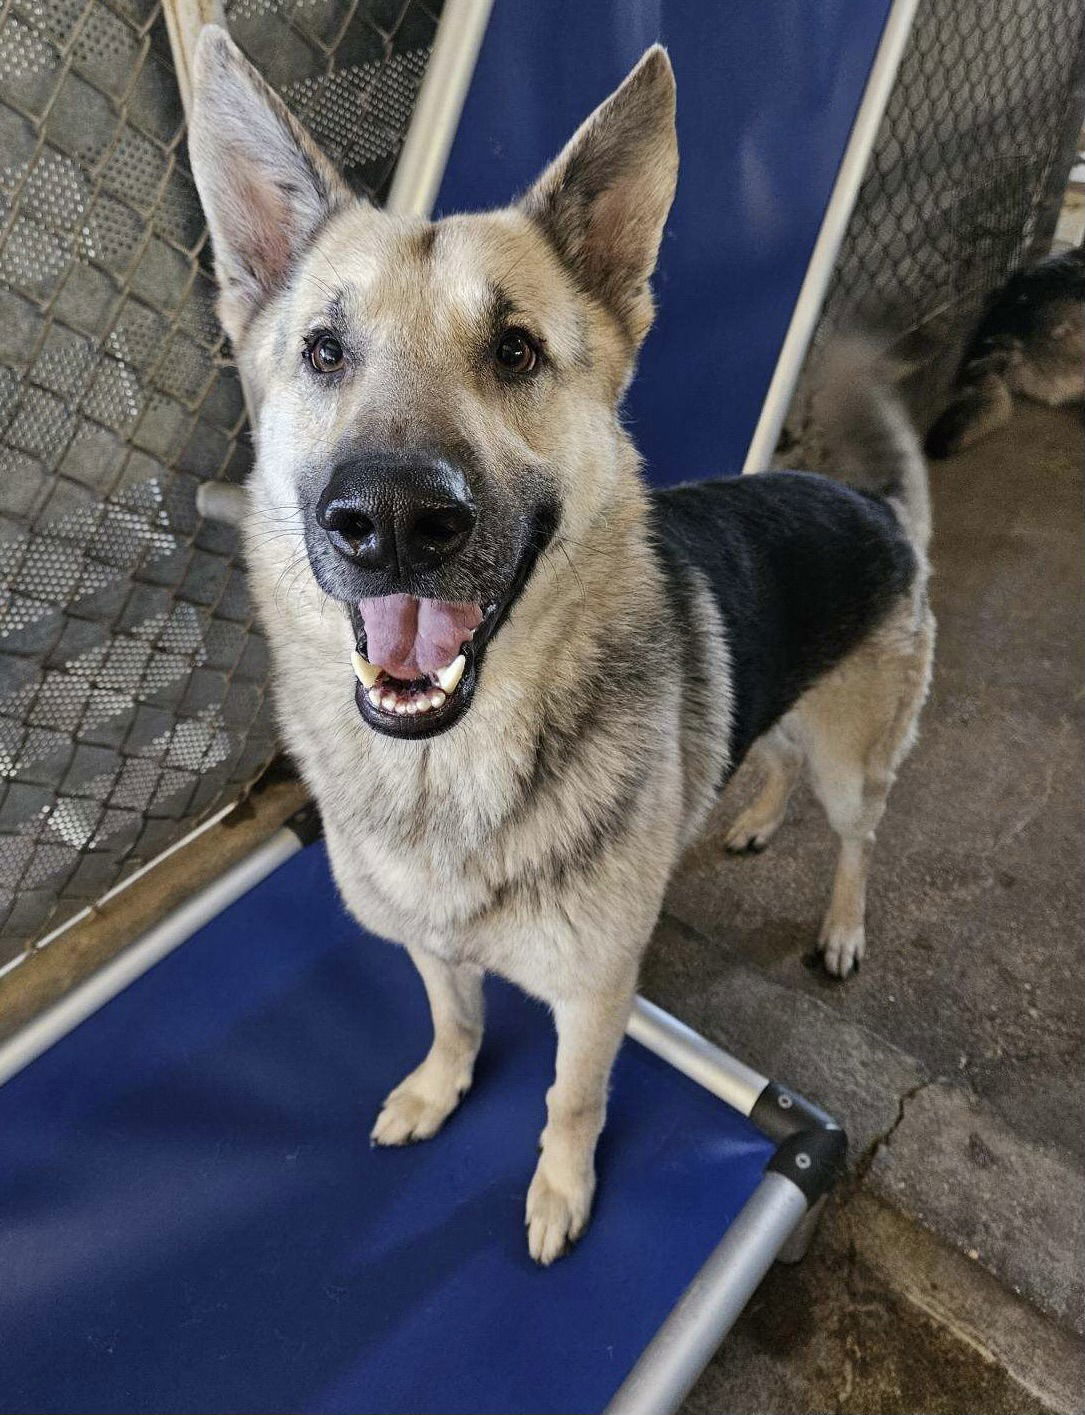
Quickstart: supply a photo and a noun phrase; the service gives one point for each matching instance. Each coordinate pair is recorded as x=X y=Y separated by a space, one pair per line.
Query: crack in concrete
x=863 y=1301
x=866 y=1159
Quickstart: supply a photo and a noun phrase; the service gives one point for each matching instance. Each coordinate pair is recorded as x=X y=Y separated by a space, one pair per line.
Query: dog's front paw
x=556 y=1214
x=419 y=1106
x=841 y=947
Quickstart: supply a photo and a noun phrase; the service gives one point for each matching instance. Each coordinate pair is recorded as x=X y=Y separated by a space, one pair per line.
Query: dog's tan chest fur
x=494 y=842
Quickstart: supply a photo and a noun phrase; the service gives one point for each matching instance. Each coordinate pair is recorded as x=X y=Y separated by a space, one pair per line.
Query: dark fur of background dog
x=1030 y=342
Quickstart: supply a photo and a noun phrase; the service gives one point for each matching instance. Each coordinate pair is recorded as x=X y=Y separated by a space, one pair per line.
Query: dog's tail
x=867 y=439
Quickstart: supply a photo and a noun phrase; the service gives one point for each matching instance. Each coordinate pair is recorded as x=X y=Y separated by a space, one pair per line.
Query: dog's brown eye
x=326 y=354
x=516 y=352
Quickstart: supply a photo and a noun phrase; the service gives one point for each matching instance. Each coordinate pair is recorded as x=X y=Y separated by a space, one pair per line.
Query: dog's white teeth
x=408 y=702
x=365 y=672
x=449 y=677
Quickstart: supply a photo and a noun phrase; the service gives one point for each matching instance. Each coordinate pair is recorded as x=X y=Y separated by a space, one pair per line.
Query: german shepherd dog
x=515 y=679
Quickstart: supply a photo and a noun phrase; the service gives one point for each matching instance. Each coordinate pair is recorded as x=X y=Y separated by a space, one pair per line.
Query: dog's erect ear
x=264 y=184
x=604 y=200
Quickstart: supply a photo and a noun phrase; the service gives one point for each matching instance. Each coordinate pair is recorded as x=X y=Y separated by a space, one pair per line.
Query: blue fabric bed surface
x=192 y=1219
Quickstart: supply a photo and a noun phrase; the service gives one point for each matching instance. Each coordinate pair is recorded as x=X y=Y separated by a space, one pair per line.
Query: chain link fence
x=969 y=164
x=133 y=680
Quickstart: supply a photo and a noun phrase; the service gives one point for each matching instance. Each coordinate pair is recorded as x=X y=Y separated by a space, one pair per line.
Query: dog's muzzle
x=398 y=528
x=435 y=649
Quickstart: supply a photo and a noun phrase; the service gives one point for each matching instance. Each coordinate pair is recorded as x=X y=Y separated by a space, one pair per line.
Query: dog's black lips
x=438 y=720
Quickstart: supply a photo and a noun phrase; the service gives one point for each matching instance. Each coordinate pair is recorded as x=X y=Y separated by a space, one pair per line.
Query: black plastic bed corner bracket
x=812 y=1148
x=306 y=824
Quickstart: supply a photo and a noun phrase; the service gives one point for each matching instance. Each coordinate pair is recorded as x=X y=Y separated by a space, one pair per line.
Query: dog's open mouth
x=416 y=661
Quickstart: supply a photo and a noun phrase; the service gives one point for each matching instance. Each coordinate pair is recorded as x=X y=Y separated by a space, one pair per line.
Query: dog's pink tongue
x=410 y=637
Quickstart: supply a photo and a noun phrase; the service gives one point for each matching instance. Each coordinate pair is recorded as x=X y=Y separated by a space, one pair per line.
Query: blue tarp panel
x=767 y=94
x=192 y=1219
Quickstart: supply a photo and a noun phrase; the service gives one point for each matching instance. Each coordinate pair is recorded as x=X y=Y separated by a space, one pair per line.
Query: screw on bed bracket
x=306 y=824
x=811 y=1148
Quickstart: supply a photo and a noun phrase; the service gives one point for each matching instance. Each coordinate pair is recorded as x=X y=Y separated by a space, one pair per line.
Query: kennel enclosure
x=134 y=690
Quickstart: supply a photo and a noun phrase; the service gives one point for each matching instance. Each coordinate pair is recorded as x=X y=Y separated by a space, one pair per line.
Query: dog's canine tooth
x=449 y=677
x=366 y=673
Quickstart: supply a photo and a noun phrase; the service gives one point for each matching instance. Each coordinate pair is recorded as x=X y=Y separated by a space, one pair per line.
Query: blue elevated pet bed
x=192 y=1218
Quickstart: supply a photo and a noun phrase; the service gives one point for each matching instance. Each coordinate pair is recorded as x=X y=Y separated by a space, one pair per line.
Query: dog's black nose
x=396 y=514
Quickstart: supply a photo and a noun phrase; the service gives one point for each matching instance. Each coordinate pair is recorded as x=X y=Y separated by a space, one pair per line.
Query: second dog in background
x=1029 y=343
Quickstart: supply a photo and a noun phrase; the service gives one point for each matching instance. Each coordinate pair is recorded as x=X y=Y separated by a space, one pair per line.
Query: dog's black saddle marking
x=801 y=568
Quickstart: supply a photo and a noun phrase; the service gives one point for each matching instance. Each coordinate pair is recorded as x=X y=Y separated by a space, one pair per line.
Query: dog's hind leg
x=590 y=1030
x=780 y=761
x=424 y=1100
x=857 y=726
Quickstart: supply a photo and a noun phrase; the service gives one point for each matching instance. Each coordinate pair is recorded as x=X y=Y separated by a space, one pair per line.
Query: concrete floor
x=954 y=1057
x=835 y=1334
